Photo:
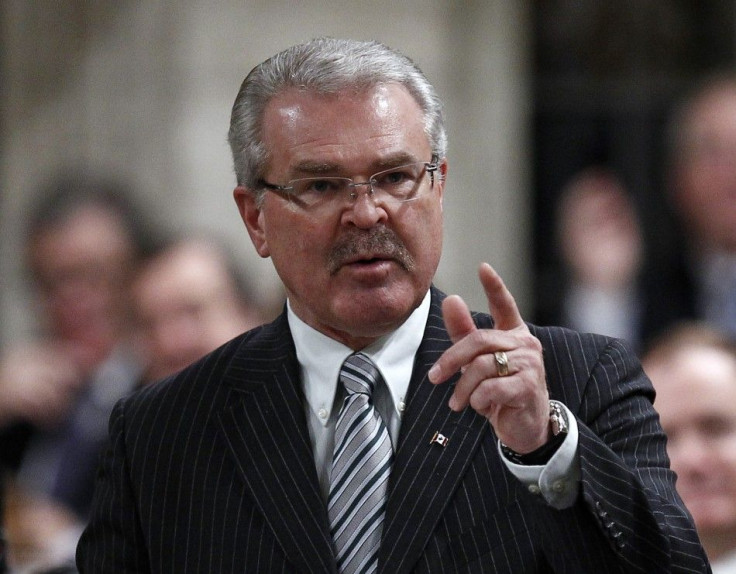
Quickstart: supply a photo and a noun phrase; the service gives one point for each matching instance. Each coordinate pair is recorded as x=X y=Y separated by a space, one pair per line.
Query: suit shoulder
x=575 y=360
x=204 y=375
x=562 y=337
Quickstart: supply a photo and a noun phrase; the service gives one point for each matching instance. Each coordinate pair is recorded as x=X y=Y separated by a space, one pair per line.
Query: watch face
x=557 y=418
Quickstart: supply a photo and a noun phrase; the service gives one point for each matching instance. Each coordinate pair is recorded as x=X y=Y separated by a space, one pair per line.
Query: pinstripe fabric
x=212 y=472
x=361 y=464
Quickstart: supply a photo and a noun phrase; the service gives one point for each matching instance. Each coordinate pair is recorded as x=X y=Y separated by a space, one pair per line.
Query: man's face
x=185 y=305
x=355 y=270
x=705 y=182
x=696 y=399
x=81 y=267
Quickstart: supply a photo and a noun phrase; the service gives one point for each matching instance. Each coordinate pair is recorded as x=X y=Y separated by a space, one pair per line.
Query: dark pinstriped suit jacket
x=212 y=471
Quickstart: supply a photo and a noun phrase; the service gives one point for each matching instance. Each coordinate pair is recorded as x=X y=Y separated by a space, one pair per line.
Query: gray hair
x=326 y=66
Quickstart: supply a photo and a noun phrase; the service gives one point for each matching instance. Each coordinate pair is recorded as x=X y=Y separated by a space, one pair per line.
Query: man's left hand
x=517 y=404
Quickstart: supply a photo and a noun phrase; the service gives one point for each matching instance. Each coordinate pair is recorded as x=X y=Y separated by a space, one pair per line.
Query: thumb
x=457 y=317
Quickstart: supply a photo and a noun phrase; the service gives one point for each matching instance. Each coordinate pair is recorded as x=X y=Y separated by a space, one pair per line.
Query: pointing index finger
x=501 y=302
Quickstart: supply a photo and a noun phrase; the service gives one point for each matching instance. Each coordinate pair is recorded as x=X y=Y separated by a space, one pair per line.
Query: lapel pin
x=439 y=439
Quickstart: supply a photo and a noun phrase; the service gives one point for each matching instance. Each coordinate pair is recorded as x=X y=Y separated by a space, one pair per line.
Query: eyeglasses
x=396 y=185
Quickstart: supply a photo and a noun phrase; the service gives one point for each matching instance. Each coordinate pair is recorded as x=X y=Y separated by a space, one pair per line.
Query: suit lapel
x=425 y=473
x=265 y=428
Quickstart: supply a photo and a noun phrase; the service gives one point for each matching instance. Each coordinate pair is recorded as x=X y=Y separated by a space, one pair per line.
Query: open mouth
x=369 y=268
x=370 y=260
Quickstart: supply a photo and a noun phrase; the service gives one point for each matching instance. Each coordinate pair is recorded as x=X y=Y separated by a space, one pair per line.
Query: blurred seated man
x=56 y=391
x=189 y=299
x=698 y=279
x=693 y=369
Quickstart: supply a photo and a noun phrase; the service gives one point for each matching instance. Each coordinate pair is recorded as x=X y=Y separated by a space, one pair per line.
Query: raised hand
x=516 y=404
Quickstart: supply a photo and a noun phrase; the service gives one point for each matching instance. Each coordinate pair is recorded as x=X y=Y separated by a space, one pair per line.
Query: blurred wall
x=144 y=90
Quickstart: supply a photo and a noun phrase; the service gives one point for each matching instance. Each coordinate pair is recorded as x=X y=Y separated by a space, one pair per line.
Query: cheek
x=286 y=235
x=427 y=233
x=298 y=249
x=727 y=449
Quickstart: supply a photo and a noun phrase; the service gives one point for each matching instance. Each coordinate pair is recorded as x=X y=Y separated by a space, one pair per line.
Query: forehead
x=89 y=233
x=713 y=115
x=182 y=271
x=379 y=121
x=700 y=379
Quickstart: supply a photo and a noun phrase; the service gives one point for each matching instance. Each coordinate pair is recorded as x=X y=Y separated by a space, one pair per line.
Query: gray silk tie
x=361 y=463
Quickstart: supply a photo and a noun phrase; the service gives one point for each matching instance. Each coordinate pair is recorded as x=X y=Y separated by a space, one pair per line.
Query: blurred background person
x=699 y=280
x=615 y=284
x=600 y=245
x=693 y=368
x=56 y=392
x=189 y=298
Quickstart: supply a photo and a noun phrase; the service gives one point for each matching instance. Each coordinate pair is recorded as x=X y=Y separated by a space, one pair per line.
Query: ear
x=441 y=178
x=252 y=215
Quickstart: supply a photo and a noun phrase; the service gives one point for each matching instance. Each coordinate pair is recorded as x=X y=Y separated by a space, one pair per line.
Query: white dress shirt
x=613 y=312
x=320 y=359
x=725 y=564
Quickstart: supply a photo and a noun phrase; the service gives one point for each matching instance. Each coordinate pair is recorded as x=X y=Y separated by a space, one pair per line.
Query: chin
x=381 y=306
x=371 y=323
x=375 y=323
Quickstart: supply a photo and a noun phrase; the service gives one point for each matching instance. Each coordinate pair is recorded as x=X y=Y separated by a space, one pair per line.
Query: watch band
x=540 y=456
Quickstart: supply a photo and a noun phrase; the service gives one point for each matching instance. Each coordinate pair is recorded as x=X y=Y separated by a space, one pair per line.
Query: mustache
x=378 y=242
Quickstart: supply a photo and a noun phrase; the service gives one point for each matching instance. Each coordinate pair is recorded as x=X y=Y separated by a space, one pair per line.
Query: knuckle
x=531 y=342
x=475 y=402
x=483 y=338
x=479 y=398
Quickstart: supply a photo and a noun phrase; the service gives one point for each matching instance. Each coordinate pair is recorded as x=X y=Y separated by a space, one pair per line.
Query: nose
x=354 y=193
x=364 y=211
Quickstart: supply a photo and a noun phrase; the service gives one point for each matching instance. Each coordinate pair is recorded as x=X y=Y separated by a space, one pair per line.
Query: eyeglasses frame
x=431 y=167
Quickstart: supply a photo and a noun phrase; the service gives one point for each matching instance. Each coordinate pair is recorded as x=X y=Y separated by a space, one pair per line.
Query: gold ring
x=502 y=363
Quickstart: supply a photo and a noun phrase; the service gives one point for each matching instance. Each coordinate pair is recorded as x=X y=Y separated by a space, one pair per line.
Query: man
x=698 y=278
x=188 y=299
x=238 y=464
x=58 y=389
x=693 y=369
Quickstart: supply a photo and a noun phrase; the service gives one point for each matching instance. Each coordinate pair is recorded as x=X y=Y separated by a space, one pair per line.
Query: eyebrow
x=309 y=167
x=315 y=168
x=396 y=160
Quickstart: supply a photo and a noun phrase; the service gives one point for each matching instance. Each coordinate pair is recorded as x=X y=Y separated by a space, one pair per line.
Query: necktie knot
x=359 y=375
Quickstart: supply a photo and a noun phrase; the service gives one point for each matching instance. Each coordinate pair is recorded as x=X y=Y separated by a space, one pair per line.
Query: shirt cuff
x=557 y=481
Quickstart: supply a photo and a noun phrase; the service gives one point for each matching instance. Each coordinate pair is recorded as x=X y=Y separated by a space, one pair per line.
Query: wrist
x=557 y=428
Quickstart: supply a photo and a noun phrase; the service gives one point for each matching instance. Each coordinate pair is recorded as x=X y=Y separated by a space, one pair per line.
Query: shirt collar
x=321 y=357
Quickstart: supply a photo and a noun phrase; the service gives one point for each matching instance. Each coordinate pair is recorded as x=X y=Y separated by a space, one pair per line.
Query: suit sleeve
x=628 y=511
x=113 y=540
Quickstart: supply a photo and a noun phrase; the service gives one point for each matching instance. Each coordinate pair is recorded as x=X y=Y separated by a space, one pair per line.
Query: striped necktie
x=361 y=463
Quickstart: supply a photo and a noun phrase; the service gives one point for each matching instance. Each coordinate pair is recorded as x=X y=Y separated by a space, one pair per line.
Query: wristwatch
x=558 y=422
x=557 y=418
